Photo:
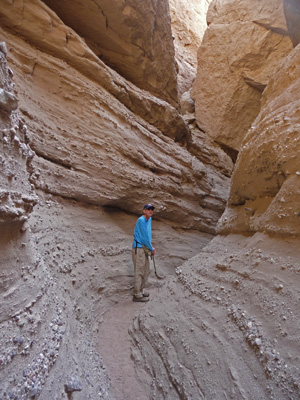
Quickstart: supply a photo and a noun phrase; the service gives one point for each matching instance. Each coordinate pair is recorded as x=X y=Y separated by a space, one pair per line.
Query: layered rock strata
x=17 y=199
x=101 y=140
x=248 y=40
x=133 y=38
x=41 y=27
x=98 y=139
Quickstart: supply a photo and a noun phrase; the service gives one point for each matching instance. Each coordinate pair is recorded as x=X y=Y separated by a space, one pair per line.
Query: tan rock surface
x=188 y=27
x=226 y=326
x=92 y=148
x=64 y=268
x=243 y=38
x=264 y=193
x=229 y=322
x=40 y=26
x=17 y=198
x=134 y=38
x=98 y=139
x=268 y=13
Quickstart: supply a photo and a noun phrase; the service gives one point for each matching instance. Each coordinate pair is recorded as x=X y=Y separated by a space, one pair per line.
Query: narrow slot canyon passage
x=192 y=106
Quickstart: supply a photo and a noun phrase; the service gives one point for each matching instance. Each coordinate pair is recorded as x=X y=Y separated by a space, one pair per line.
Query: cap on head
x=148 y=207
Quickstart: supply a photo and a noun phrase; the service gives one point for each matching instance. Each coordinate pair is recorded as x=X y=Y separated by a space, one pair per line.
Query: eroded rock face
x=103 y=140
x=17 y=199
x=248 y=40
x=188 y=27
x=134 y=38
x=264 y=193
x=40 y=26
x=99 y=140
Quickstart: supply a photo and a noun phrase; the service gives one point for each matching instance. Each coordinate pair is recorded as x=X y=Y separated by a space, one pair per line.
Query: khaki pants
x=141 y=271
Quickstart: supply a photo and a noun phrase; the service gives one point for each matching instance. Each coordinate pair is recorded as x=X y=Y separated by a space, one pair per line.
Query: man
x=142 y=237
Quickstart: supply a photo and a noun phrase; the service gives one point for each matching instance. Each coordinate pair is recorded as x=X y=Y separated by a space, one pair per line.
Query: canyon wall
x=100 y=139
x=229 y=321
x=188 y=27
x=91 y=129
x=264 y=194
x=133 y=38
x=227 y=100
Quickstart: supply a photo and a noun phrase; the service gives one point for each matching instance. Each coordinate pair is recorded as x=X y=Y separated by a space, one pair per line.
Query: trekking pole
x=156 y=274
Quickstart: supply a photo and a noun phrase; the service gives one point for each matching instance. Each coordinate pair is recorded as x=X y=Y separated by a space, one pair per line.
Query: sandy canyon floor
x=224 y=324
x=87 y=250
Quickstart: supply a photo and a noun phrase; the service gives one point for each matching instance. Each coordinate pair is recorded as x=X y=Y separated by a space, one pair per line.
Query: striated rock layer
x=82 y=149
x=248 y=40
x=132 y=37
x=99 y=139
x=17 y=199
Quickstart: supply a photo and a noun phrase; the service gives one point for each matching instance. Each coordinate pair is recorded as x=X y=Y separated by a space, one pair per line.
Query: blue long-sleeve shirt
x=142 y=233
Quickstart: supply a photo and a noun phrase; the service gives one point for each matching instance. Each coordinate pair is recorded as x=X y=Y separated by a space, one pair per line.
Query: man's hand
x=153 y=251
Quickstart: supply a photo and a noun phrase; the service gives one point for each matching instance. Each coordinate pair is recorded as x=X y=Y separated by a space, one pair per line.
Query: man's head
x=148 y=210
x=149 y=207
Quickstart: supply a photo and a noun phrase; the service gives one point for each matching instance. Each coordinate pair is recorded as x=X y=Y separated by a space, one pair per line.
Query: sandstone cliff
x=134 y=38
x=188 y=27
x=264 y=194
x=248 y=40
x=98 y=138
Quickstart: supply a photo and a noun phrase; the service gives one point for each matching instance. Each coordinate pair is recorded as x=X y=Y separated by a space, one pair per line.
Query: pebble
x=258 y=342
x=73 y=384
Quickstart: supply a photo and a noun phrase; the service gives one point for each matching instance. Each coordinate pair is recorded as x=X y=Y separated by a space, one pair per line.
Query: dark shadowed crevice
x=232 y=153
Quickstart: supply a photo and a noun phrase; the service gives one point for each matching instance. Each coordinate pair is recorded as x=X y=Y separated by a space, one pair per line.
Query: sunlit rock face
x=41 y=27
x=188 y=27
x=265 y=186
x=132 y=37
x=248 y=39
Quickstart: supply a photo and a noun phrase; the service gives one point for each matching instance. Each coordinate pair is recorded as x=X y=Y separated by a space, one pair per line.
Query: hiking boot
x=140 y=299
x=146 y=294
